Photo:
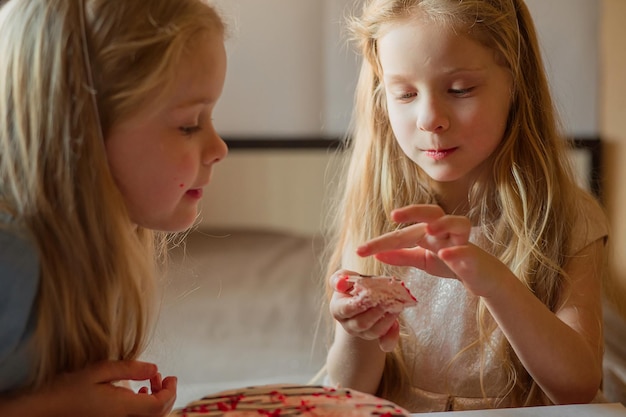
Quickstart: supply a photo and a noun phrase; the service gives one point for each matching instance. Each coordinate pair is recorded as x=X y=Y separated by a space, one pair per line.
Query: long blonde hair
x=71 y=70
x=526 y=204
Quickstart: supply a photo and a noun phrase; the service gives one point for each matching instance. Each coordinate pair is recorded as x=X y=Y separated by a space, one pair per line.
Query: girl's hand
x=438 y=244
x=357 y=321
x=91 y=392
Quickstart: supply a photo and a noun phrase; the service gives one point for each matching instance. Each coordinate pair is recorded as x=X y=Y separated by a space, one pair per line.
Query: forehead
x=201 y=71
x=417 y=41
x=196 y=78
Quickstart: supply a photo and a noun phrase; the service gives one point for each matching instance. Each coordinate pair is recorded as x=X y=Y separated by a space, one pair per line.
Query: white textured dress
x=444 y=374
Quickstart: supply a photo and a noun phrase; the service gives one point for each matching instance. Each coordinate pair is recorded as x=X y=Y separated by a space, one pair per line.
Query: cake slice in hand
x=389 y=293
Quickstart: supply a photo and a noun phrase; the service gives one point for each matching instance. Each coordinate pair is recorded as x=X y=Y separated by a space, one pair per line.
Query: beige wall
x=280 y=190
x=613 y=132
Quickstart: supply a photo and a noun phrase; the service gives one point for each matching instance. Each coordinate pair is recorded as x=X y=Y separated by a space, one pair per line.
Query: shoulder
x=590 y=223
x=19 y=262
x=19 y=280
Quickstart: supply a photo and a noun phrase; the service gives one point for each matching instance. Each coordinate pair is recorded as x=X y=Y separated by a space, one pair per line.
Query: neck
x=453 y=197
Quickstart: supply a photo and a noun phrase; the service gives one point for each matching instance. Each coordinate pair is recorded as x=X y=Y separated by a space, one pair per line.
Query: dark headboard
x=593 y=146
x=590 y=145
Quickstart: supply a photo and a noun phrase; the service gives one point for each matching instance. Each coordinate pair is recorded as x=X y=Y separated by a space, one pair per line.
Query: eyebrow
x=445 y=71
x=195 y=102
x=451 y=71
x=192 y=103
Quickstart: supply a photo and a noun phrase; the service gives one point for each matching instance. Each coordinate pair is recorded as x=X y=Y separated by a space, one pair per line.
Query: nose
x=432 y=115
x=215 y=149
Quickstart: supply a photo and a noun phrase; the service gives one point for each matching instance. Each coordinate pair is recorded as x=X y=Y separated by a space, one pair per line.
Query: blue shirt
x=19 y=281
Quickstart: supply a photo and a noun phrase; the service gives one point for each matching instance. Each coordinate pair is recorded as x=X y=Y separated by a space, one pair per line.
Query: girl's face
x=447 y=98
x=162 y=156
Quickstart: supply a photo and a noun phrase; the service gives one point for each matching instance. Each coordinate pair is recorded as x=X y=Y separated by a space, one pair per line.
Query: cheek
x=497 y=123
x=401 y=121
x=479 y=117
x=184 y=170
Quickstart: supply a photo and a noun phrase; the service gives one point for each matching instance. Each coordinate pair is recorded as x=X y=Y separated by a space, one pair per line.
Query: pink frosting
x=292 y=400
x=389 y=293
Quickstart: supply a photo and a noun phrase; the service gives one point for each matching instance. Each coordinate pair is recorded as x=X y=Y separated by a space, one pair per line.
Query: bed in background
x=241 y=307
x=242 y=299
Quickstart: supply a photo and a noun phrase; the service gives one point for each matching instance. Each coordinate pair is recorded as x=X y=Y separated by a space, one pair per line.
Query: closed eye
x=189 y=130
x=405 y=96
x=461 y=92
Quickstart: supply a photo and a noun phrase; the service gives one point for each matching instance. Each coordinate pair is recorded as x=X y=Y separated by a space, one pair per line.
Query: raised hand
x=438 y=244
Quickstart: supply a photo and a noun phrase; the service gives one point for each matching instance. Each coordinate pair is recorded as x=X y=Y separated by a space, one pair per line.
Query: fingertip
x=121 y=370
x=138 y=370
x=144 y=364
x=380 y=257
x=362 y=251
x=342 y=283
x=450 y=254
x=171 y=382
x=149 y=367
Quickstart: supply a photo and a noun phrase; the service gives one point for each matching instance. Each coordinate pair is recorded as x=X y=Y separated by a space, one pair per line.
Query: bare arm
x=562 y=351
x=355 y=363
x=356 y=358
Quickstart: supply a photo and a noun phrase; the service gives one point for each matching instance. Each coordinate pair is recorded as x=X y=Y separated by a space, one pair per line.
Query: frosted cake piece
x=389 y=293
x=290 y=400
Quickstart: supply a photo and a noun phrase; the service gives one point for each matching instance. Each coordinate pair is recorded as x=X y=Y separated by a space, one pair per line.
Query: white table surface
x=586 y=410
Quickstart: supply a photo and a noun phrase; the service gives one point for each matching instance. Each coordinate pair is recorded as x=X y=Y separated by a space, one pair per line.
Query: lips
x=439 y=154
x=195 y=193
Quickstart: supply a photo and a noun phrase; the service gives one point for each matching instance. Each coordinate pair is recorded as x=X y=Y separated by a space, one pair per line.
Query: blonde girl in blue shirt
x=106 y=142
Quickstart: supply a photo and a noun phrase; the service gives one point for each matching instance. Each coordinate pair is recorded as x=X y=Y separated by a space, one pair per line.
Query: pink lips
x=195 y=193
x=439 y=154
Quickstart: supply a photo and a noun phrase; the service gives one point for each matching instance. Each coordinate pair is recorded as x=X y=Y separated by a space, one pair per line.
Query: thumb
x=340 y=282
x=110 y=371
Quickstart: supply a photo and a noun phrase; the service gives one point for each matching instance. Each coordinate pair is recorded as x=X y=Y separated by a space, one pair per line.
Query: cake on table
x=290 y=400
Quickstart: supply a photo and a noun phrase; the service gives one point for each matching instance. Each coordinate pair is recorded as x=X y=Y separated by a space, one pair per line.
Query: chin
x=438 y=177
x=171 y=225
x=180 y=226
x=444 y=174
